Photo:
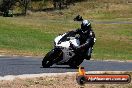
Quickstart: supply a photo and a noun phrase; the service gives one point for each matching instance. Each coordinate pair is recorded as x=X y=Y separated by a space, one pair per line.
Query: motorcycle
x=63 y=52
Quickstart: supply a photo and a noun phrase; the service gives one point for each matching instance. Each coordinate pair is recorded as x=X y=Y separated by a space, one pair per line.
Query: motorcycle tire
x=88 y=57
x=48 y=60
x=75 y=62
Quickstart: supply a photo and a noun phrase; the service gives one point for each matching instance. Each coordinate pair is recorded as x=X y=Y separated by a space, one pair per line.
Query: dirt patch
x=60 y=81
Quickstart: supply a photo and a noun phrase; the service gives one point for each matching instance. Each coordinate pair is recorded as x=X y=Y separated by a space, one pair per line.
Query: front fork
x=89 y=51
x=58 y=52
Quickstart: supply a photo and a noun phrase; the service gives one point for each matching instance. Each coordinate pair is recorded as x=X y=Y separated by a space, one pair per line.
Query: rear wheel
x=88 y=57
x=75 y=62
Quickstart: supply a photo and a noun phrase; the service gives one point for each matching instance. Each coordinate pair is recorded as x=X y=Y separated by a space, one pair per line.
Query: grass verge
x=34 y=34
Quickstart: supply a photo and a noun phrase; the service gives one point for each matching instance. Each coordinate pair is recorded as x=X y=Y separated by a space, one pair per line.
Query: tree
x=24 y=4
x=7 y=5
x=59 y=4
x=62 y=3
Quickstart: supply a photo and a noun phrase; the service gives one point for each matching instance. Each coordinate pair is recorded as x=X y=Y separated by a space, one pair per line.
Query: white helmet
x=85 y=25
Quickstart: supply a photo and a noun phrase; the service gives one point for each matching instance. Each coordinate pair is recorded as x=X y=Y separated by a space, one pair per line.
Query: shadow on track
x=61 y=67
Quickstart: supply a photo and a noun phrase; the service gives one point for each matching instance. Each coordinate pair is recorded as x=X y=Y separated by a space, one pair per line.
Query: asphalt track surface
x=32 y=65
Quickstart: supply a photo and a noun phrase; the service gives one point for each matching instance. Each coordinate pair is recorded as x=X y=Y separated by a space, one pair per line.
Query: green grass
x=29 y=35
x=36 y=37
x=113 y=41
x=34 y=34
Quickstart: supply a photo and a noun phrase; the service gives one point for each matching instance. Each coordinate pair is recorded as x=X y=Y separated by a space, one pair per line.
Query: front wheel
x=48 y=59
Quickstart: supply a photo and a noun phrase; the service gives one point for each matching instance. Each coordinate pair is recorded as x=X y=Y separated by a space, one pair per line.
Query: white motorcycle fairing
x=64 y=52
x=67 y=53
x=66 y=44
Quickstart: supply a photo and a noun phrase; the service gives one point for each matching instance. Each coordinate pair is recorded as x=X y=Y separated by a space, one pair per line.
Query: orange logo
x=83 y=78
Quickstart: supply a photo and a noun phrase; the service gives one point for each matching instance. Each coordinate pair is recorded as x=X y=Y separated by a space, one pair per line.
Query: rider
x=86 y=38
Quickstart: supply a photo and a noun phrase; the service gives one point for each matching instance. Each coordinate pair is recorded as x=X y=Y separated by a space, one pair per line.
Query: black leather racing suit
x=86 y=41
